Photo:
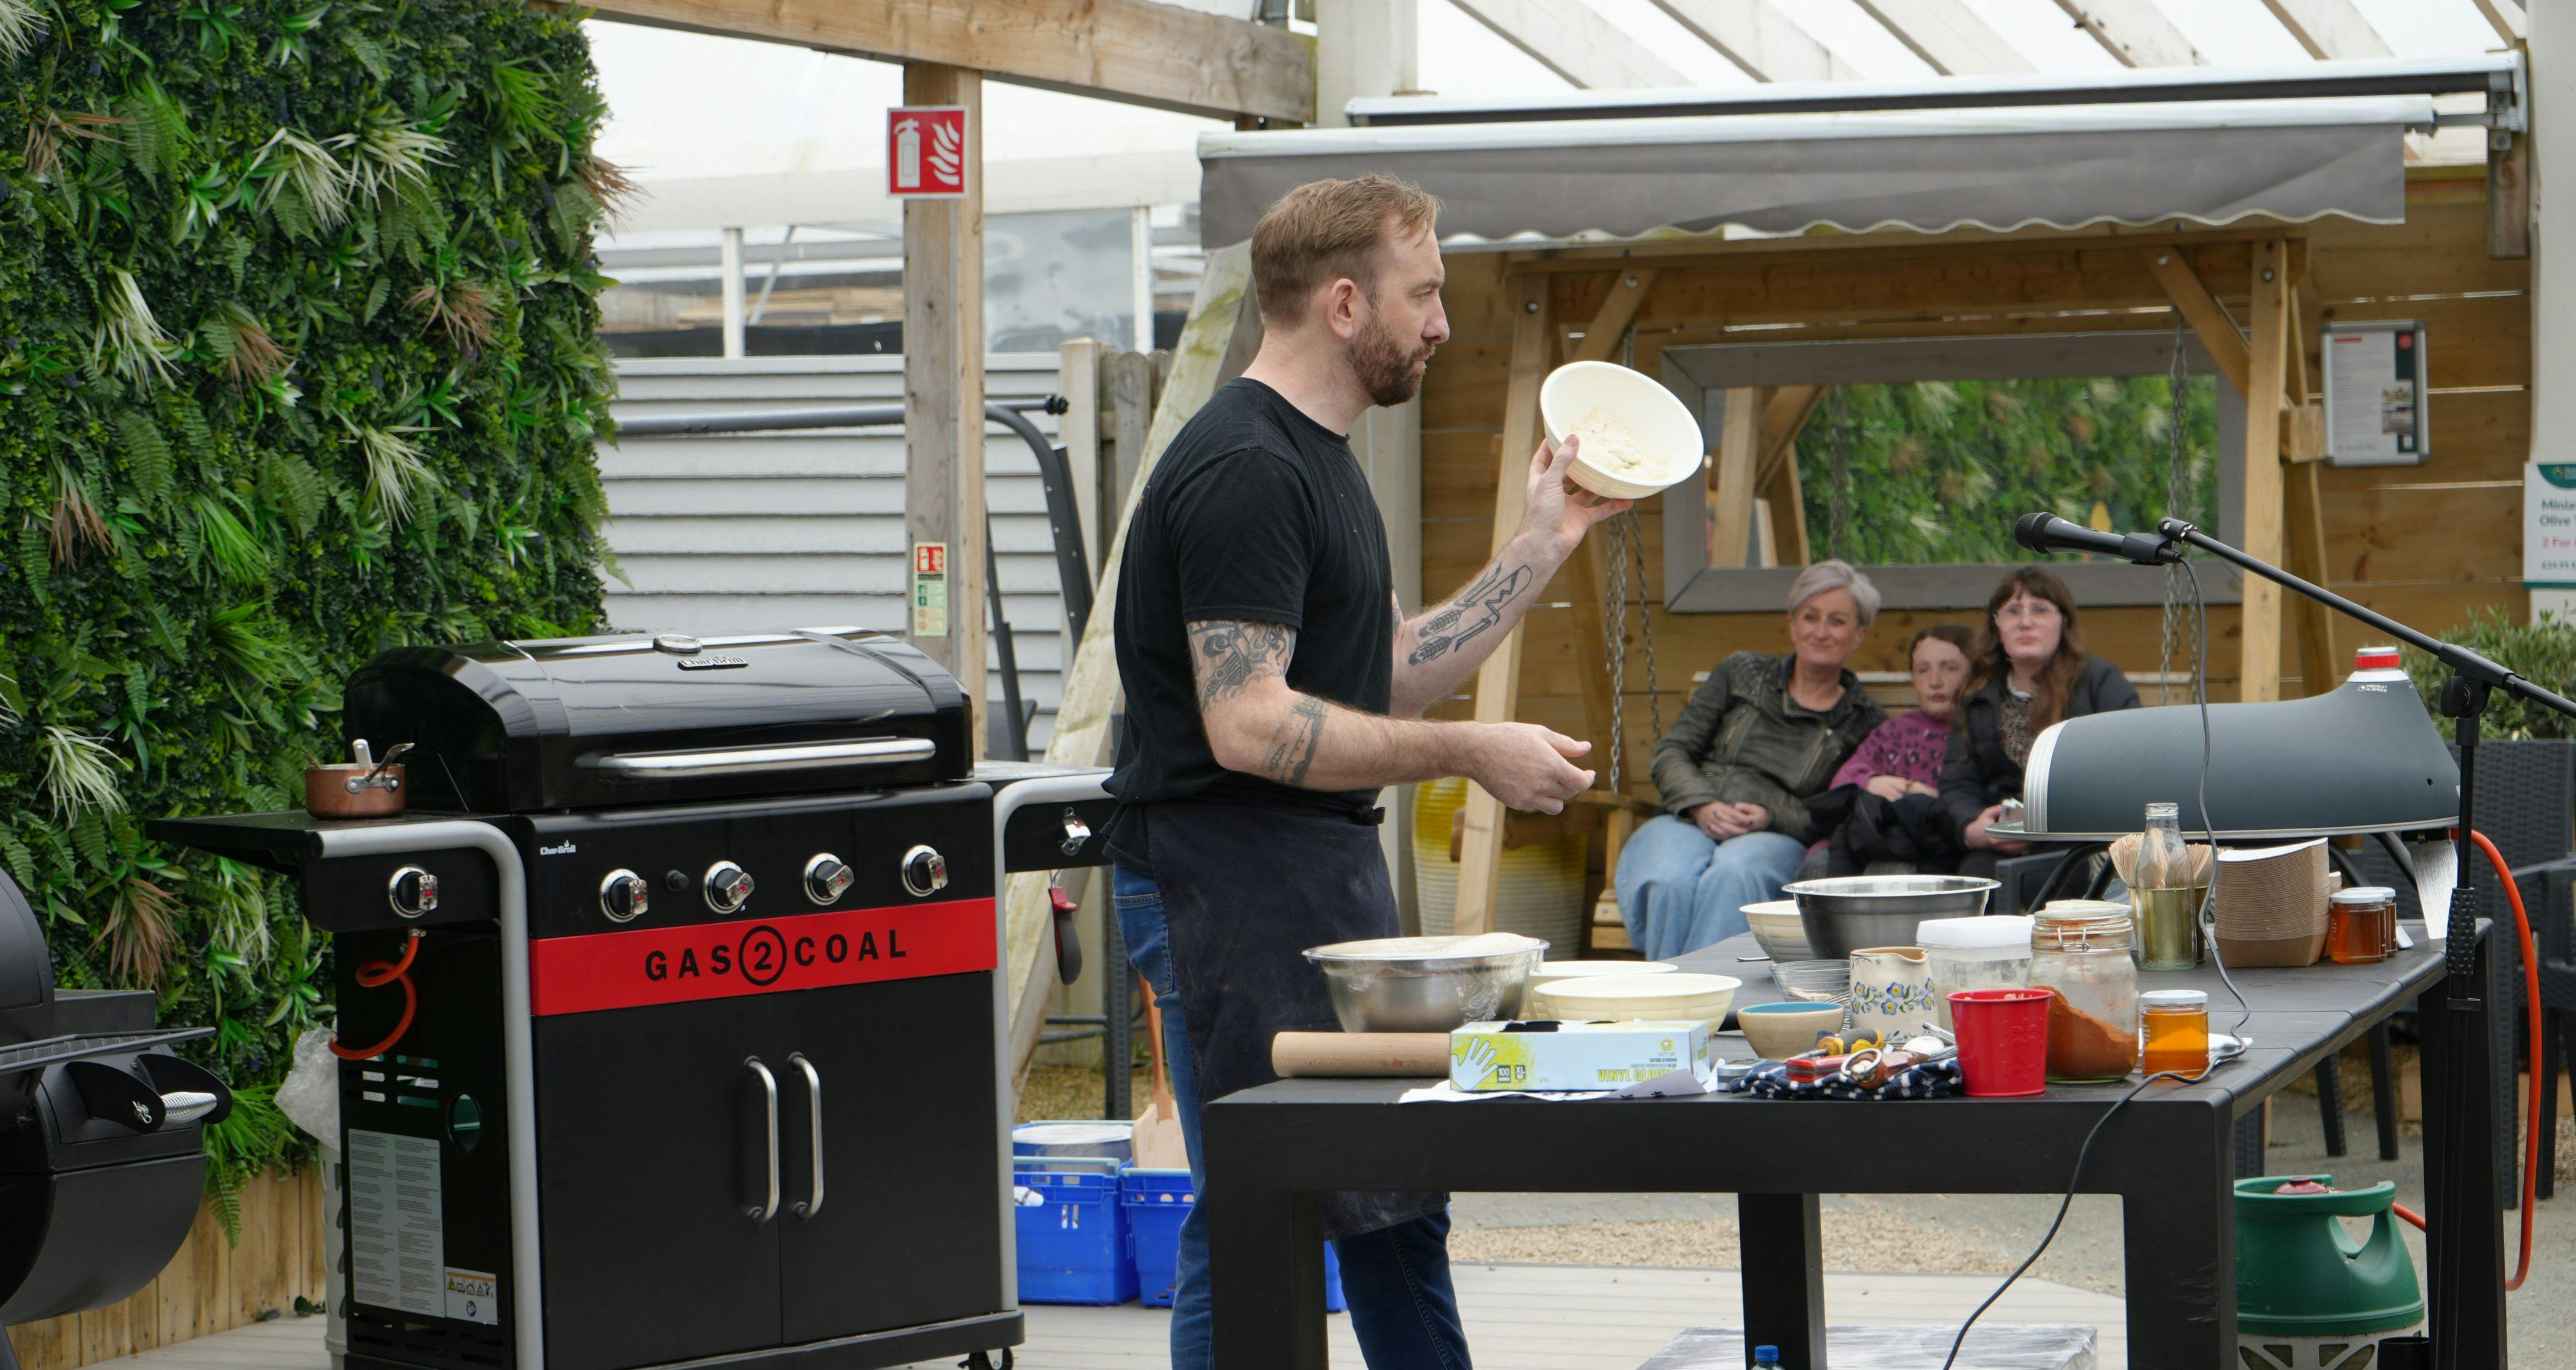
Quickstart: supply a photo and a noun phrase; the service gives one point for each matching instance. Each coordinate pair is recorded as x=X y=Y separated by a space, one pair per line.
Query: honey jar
x=2175 y=1024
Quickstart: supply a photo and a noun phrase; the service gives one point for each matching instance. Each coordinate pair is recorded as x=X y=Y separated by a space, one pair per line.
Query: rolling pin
x=1324 y=1054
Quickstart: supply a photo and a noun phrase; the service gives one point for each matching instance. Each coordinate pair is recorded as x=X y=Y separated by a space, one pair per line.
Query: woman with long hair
x=2029 y=670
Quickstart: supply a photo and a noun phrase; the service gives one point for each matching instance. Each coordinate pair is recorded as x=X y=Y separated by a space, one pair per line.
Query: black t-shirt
x=1255 y=512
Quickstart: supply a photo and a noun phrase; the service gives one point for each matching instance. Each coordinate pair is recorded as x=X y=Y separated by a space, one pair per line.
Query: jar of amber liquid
x=2175 y=1026
x=2361 y=925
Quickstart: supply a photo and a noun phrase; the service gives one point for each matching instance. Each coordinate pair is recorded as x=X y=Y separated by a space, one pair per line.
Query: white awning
x=1929 y=170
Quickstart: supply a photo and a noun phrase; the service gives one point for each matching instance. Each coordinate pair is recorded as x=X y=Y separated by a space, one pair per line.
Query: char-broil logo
x=717 y=662
x=765 y=955
x=563 y=849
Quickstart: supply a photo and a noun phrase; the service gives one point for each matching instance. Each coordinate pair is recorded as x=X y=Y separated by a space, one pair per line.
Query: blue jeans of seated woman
x=1403 y=1309
x=1681 y=889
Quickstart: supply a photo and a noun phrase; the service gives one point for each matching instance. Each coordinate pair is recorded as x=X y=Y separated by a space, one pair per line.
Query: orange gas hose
x=374 y=973
x=2539 y=1117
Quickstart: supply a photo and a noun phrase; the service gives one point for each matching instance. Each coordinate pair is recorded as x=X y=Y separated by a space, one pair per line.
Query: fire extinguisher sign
x=926 y=152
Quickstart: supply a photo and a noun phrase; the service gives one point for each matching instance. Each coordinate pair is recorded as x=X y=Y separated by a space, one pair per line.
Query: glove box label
x=639 y=966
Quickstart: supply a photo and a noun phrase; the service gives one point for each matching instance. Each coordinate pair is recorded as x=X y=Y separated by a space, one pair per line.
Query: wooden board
x=1138 y=51
x=943 y=391
x=1498 y=680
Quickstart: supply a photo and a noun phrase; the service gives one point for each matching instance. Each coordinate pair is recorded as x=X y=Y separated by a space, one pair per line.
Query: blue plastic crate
x=1072 y=1239
x=1156 y=1201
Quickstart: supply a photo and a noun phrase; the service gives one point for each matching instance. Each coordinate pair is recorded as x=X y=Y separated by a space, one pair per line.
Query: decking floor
x=1519 y=1317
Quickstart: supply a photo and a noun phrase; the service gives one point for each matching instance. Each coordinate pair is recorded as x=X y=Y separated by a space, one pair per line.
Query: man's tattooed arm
x=1229 y=654
x=1442 y=647
x=1292 y=750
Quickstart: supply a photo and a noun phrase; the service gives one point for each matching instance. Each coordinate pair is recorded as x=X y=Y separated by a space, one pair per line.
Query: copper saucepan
x=360 y=788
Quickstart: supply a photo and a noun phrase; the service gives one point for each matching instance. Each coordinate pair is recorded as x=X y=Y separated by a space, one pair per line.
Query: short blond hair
x=1328 y=230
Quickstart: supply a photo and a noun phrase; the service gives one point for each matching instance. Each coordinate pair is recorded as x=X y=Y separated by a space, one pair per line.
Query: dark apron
x=1246 y=890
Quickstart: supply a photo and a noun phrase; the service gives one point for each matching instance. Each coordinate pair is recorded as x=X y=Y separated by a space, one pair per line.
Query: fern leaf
x=147 y=456
x=34 y=561
x=89 y=837
x=376 y=297
x=22 y=862
x=369 y=55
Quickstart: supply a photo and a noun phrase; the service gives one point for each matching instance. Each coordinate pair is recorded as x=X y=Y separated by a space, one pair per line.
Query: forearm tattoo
x=1475 y=610
x=1292 y=752
x=1230 y=654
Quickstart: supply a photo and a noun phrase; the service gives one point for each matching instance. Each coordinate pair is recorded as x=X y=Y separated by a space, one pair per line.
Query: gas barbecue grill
x=101 y=1135
x=679 y=990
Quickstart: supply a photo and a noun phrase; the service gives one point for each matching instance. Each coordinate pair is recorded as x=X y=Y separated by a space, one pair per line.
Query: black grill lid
x=598 y=721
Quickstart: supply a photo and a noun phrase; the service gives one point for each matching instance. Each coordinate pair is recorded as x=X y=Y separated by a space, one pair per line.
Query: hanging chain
x=1839 y=506
x=2177 y=491
x=1626 y=549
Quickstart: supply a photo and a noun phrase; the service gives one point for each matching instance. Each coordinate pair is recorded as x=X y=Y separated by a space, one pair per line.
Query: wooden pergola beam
x=1947 y=35
x=1576 y=43
x=2135 y=32
x=2329 y=29
x=1136 y=51
x=1760 y=39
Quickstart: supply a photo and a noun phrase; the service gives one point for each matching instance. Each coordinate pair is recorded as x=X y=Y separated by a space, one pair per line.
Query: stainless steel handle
x=813 y=1203
x=186 y=1106
x=762 y=1213
x=878 y=751
x=1076 y=832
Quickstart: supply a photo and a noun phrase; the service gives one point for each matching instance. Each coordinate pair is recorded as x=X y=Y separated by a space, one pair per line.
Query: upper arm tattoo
x=1477 y=608
x=1227 y=655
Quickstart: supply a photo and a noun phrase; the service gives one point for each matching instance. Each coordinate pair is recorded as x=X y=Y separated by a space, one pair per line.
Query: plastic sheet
x=2039 y=1346
x=310 y=1094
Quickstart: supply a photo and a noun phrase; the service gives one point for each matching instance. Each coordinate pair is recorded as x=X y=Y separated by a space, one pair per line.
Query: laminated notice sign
x=2549 y=525
x=2375 y=402
x=930 y=589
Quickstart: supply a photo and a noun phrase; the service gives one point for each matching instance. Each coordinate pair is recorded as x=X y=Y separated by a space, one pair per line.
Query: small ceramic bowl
x=1780 y=1031
x=1776 y=927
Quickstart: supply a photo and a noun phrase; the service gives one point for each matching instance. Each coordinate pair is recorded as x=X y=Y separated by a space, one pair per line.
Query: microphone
x=2048 y=533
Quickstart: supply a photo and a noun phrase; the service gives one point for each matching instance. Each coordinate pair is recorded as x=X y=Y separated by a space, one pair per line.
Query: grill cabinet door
x=910 y=1228
x=651 y=1146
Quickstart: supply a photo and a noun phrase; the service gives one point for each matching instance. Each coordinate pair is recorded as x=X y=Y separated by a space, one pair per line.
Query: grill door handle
x=813 y=1202
x=761 y=1213
x=875 y=751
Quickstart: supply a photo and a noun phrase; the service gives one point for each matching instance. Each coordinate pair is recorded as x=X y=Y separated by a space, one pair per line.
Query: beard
x=1388 y=368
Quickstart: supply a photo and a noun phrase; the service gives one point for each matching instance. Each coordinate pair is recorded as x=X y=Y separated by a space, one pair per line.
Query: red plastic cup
x=2003 y=1040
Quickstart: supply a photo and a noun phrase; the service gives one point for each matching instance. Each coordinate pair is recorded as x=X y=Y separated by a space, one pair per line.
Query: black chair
x=2526 y=805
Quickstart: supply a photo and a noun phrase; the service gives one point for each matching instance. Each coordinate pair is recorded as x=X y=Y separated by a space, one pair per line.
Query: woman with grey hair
x=1761 y=737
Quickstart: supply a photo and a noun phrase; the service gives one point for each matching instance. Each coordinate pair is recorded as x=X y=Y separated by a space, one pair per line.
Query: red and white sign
x=926 y=152
x=609 y=970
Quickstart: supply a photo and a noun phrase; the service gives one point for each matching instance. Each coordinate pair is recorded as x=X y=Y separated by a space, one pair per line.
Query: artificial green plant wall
x=296 y=363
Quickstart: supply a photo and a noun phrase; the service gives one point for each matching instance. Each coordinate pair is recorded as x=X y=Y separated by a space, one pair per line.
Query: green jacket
x=1743 y=740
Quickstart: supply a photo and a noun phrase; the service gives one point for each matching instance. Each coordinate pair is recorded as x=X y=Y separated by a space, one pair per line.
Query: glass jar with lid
x=2361 y=925
x=2081 y=950
x=1973 y=953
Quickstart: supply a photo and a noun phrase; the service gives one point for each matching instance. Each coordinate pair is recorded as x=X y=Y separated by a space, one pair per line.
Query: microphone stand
x=2468 y=1227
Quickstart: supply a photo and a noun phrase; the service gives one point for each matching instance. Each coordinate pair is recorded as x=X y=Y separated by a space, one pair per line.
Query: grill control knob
x=925 y=871
x=624 y=896
x=826 y=879
x=412 y=892
x=728 y=887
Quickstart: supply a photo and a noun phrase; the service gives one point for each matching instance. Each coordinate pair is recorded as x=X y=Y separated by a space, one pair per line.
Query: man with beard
x=1274 y=686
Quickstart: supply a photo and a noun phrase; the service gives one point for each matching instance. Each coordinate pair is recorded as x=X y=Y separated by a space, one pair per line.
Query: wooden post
x=2259 y=675
x=1480 y=860
x=1080 y=378
x=943 y=391
x=1732 y=482
x=2304 y=513
x=1131 y=416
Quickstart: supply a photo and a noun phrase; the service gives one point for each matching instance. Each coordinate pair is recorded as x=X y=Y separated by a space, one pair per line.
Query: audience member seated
x=1764 y=734
x=1882 y=814
x=2030 y=671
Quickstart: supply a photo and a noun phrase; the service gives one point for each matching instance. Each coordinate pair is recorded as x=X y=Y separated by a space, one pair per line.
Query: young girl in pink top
x=1903 y=755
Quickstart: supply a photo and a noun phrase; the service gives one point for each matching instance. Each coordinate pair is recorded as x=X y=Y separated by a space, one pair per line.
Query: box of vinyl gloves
x=1493 y=1056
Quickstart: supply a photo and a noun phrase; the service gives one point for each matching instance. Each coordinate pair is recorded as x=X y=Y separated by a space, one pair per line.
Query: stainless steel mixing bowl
x=1418 y=984
x=1844 y=913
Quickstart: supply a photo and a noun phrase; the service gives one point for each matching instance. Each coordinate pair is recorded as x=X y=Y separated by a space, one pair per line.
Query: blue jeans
x=1681 y=889
x=1403 y=1309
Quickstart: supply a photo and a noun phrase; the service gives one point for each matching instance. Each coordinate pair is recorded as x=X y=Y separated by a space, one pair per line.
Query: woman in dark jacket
x=1754 y=744
x=2030 y=672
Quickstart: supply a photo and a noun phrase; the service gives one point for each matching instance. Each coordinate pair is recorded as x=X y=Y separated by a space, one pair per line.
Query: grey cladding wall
x=727 y=533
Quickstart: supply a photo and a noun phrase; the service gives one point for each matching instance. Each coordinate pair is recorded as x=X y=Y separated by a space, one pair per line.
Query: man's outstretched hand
x=1559 y=512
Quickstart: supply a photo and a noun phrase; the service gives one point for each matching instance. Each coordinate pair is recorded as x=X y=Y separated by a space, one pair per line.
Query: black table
x=2171 y=1156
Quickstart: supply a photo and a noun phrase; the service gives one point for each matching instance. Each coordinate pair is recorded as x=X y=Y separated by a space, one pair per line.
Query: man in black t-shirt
x=1274 y=687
